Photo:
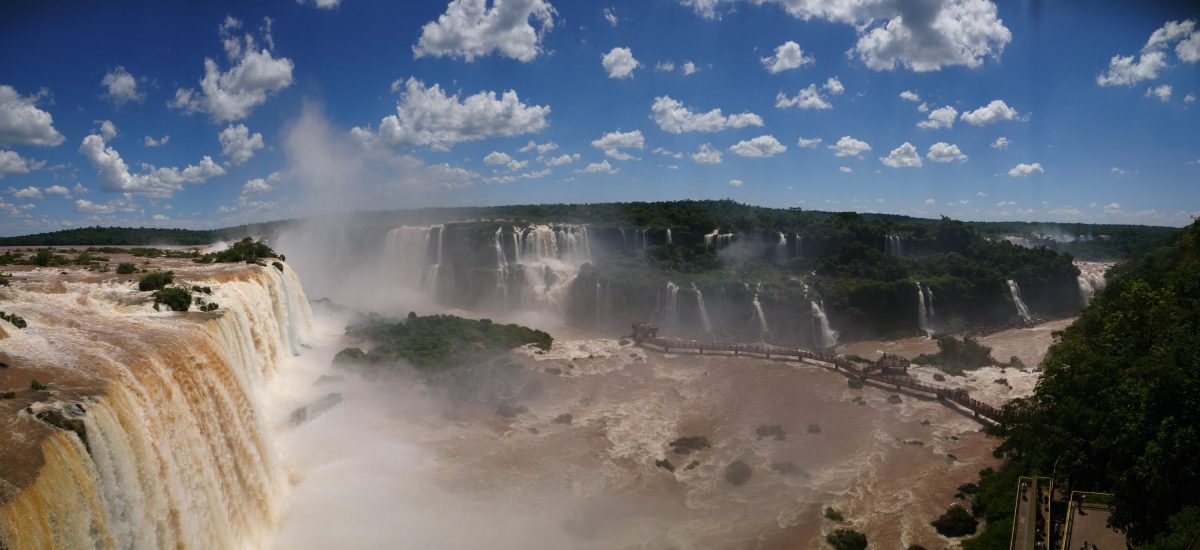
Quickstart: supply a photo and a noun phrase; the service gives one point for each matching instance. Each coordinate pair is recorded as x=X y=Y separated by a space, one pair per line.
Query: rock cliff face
x=148 y=434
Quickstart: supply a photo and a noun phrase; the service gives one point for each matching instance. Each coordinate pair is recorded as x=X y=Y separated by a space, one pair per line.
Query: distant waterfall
x=894 y=245
x=710 y=238
x=1090 y=282
x=1022 y=309
x=763 y=329
x=799 y=246
x=639 y=238
x=501 y=269
x=703 y=310
x=624 y=239
x=673 y=304
x=925 y=312
x=432 y=273
x=406 y=252
x=668 y=235
x=781 y=249
x=826 y=337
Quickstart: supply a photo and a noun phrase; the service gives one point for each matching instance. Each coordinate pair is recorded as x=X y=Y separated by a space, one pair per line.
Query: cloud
x=602 y=167
x=27 y=193
x=561 y=160
x=1025 y=170
x=619 y=63
x=1000 y=143
x=125 y=204
x=761 y=146
x=808 y=143
x=689 y=68
x=904 y=156
x=238 y=144
x=834 y=86
x=542 y=148
x=114 y=175
x=470 y=29
x=107 y=129
x=707 y=154
x=672 y=116
x=945 y=152
x=497 y=158
x=120 y=87
x=323 y=4
x=259 y=186
x=736 y=183
x=808 y=98
x=149 y=141
x=428 y=117
x=907 y=95
x=1189 y=50
x=1117 y=170
x=58 y=190
x=849 y=147
x=23 y=123
x=1191 y=97
x=11 y=162
x=1162 y=92
x=160 y=218
x=610 y=16
x=255 y=74
x=845 y=169
x=664 y=66
x=930 y=201
x=612 y=143
x=787 y=56
x=942 y=117
x=1123 y=71
x=995 y=111
x=1168 y=33
x=667 y=153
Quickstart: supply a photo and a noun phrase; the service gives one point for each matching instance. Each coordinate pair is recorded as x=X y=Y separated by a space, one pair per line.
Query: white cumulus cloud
x=942 y=117
x=808 y=98
x=1000 y=143
x=12 y=162
x=834 y=86
x=602 y=167
x=736 y=183
x=761 y=146
x=238 y=144
x=114 y=175
x=23 y=123
x=470 y=29
x=945 y=152
x=808 y=143
x=908 y=95
x=619 y=63
x=1162 y=92
x=674 y=117
x=787 y=56
x=426 y=116
x=612 y=143
x=707 y=154
x=904 y=156
x=120 y=87
x=1024 y=170
x=255 y=74
x=849 y=147
x=995 y=111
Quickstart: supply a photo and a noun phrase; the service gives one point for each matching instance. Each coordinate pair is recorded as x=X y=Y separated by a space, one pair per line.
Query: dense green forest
x=433 y=342
x=1118 y=406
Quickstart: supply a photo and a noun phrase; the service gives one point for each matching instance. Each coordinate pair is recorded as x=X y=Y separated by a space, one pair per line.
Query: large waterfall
x=763 y=329
x=1022 y=310
x=176 y=454
x=781 y=249
x=925 y=311
x=825 y=336
x=703 y=310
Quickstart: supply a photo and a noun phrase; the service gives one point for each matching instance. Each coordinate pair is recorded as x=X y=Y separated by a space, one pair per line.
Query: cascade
x=177 y=454
x=1090 y=282
x=826 y=337
x=799 y=245
x=703 y=310
x=925 y=313
x=668 y=235
x=709 y=238
x=672 y=304
x=405 y=253
x=432 y=272
x=1022 y=310
x=501 y=269
x=624 y=240
x=763 y=330
x=781 y=254
x=894 y=245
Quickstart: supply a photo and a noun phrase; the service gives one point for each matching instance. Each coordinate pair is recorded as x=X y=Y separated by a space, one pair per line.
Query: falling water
x=668 y=235
x=672 y=304
x=894 y=245
x=763 y=330
x=1022 y=310
x=925 y=311
x=825 y=336
x=501 y=269
x=703 y=310
x=405 y=253
x=709 y=238
x=432 y=272
x=799 y=245
x=781 y=254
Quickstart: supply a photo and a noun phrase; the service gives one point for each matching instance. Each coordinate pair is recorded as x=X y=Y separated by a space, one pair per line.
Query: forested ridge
x=1117 y=408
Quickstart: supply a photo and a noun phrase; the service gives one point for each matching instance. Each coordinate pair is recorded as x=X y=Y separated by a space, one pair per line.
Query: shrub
x=956 y=522
x=246 y=250
x=176 y=298
x=847 y=539
x=834 y=515
x=278 y=266
x=126 y=268
x=15 y=319
x=156 y=281
x=8 y=395
x=43 y=257
x=38 y=386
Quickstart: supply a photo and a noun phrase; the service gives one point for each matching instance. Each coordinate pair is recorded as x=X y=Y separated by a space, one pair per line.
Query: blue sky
x=325 y=105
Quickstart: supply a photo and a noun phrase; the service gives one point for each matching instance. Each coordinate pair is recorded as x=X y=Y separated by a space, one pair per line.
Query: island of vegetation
x=433 y=342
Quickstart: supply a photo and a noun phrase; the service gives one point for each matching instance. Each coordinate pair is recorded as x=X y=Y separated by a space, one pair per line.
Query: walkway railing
x=872 y=372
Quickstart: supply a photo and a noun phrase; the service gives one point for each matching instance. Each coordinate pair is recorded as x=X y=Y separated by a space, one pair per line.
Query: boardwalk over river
x=889 y=370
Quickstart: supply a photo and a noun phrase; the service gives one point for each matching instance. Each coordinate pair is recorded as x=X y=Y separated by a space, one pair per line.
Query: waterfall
x=177 y=454
x=624 y=240
x=799 y=245
x=406 y=255
x=1091 y=280
x=763 y=330
x=672 y=304
x=781 y=251
x=668 y=235
x=925 y=312
x=432 y=272
x=894 y=245
x=703 y=310
x=1022 y=310
x=709 y=238
x=826 y=337
x=639 y=238
x=501 y=269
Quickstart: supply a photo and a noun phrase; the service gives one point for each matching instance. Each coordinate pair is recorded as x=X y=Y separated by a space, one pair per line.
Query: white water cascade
x=925 y=312
x=799 y=245
x=703 y=310
x=1022 y=309
x=1091 y=280
x=673 y=304
x=501 y=269
x=894 y=245
x=710 y=238
x=433 y=271
x=668 y=235
x=177 y=453
x=763 y=329
x=405 y=252
x=781 y=249
x=826 y=337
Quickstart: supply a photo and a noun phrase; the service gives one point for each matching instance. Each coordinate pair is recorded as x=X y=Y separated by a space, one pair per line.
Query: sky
x=208 y=114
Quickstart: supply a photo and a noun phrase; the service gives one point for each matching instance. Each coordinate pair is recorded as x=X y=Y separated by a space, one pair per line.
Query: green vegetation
x=15 y=319
x=1116 y=406
x=8 y=395
x=434 y=342
x=38 y=386
x=847 y=539
x=99 y=236
x=156 y=281
x=176 y=298
x=954 y=355
x=125 y=268
x=1085 y=241
x=956 y=522
x=246 y=250
x=834 y=515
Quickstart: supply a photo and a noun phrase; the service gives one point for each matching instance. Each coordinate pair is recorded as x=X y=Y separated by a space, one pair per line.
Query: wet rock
x=65 y=420
x=692 y=465
x=925 y=422
x=738 y=473
x=814 y=428
x=951 y=458
x=509 y=410
x=313 y=410
x=939 y=377
x=914 y=442
x=685 y=445
x=773 y=430
x=3 y=365
x=665 y=464
x=564 y=418
x=894 y=399
x=624 y=341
